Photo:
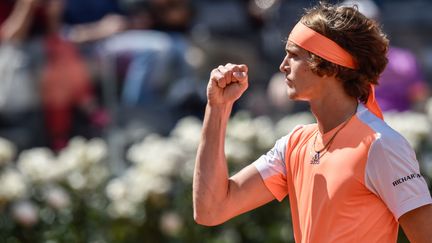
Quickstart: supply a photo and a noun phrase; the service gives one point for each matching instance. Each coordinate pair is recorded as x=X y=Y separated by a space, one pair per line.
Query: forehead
x=290 y=45
x=293 y=47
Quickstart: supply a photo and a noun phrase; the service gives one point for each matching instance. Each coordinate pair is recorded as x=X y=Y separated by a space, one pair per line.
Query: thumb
x=240 y=76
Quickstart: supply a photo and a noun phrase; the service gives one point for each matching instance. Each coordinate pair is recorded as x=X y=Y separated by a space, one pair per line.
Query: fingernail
x=239 y=74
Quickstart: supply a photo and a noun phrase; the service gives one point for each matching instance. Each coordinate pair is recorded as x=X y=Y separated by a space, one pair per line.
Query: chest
x=338 y=173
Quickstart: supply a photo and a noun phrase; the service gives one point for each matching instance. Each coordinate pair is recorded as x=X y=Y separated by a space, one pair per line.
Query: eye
x=291 y=54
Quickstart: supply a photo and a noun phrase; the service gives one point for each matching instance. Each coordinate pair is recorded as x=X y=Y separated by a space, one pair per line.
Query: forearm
x=16 y=26
x=210 y=183
x=85 y=33
x=106 y=27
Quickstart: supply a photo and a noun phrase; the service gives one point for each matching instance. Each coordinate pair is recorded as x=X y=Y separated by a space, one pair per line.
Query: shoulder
x=302 y=131
x=378 y=128
x=385 y=142
x=298 y=133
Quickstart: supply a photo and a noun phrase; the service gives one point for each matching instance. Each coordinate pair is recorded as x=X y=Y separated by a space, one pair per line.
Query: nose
x=284 y=66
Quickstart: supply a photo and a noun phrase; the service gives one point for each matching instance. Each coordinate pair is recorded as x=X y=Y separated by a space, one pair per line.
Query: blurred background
x=101 y=104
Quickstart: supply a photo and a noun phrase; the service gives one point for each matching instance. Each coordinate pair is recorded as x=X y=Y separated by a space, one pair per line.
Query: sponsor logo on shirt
x=406 y=178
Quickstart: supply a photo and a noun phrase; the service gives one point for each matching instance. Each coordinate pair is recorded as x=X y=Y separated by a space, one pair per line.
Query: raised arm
x=107 y=26
x=16 y=26
x=217 y=198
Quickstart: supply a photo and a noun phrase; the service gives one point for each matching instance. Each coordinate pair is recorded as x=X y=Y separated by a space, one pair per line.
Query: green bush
x=74 y=196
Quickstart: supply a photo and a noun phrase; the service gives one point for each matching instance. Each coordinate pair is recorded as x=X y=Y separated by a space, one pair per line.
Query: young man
x=349 y=177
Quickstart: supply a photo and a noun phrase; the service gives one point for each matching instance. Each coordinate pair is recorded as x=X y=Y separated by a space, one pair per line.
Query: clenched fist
x=227 y=83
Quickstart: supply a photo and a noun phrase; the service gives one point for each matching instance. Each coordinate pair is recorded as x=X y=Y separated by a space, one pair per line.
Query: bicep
x=246 y=191
x=417 y=224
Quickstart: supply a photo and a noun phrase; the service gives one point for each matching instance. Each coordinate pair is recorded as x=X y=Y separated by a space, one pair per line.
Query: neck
x=332 y=110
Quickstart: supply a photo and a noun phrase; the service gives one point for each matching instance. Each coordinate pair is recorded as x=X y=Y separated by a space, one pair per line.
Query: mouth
x=288 y=81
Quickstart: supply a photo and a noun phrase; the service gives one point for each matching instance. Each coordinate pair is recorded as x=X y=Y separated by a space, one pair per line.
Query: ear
x=322 y=67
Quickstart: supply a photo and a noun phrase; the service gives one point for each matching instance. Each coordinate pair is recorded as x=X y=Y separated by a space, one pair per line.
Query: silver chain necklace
x=316 y=155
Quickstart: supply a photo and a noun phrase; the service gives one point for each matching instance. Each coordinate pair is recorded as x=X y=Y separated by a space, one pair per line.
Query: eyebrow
x=291 y=48
x=291 y=45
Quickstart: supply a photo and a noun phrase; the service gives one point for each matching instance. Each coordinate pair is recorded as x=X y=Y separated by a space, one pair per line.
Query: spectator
x=143 y=45
x=402 y=86
x=20 y=115
x=63 y=83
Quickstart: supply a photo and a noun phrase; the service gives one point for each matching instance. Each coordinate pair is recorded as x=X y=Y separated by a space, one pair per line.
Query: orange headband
x=372 y=103
x=320 y=45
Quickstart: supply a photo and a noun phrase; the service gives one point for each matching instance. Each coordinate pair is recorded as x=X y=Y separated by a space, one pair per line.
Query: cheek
x=299 y=70
x=296 y=67
x=306 y=71
x=305 y=67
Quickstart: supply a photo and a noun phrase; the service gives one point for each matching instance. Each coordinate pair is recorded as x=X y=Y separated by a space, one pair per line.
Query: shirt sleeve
x=272 y=168
x=393 y=174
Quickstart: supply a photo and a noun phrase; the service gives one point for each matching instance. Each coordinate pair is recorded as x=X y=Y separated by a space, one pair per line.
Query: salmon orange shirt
x=367 y=179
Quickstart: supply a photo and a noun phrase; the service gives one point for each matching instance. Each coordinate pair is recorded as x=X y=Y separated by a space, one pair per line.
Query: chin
x=292 y=95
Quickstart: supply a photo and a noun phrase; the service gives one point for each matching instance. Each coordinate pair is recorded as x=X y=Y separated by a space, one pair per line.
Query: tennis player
x=349 y=177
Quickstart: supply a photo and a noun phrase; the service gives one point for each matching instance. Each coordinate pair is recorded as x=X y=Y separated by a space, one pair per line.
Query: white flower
x=171 y=223
x=7 y=151
x=241 y=127
x=158 y=155
x=237 y=151
x=144 y=182
x=187 y=132
x=187 y=170
x=146 y=151
x=160 y=185
x=116 y=189
x=74 y=155
x=12 y=186
x=96 y=175
x=126 y=193
x=38 y=165
x=77 y=180
x=96 y=150
x=56 y=197
x=68 y=161
x=287 y=124
x=122 y=209
x=77 y=142
x=412 y=125
x=136 y=184
x=265 y=134
x=229 y=235
x=79 y=163
x=25 y=213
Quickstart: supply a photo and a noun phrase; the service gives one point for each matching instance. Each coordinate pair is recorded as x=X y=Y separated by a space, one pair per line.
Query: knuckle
x=220 y=78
